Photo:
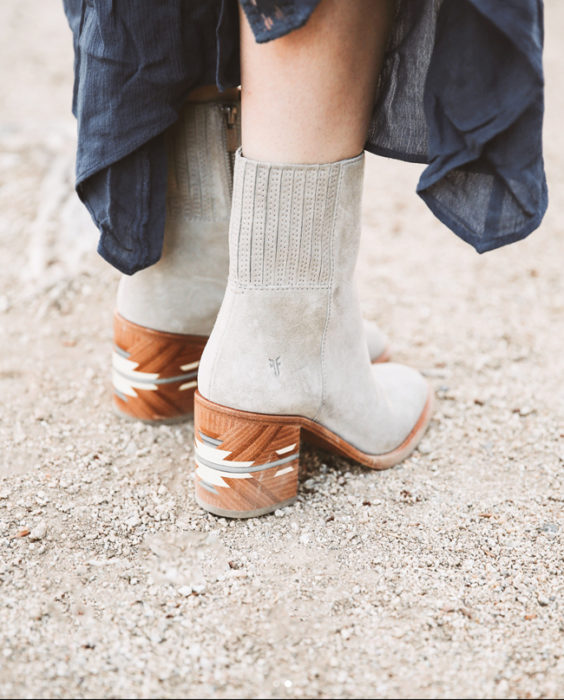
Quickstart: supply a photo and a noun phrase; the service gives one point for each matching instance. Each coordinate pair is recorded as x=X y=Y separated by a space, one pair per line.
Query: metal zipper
x=230 y=113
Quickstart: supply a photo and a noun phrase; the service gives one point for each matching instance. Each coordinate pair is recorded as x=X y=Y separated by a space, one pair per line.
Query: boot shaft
x=183 y=291
x=294 y=238
x=294 y=225
x=201 y=150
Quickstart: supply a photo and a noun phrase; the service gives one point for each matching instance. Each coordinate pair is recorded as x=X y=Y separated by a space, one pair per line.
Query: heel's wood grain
x=246 y=465
x=154 y=373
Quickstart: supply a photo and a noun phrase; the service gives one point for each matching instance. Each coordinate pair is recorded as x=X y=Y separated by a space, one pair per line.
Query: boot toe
x=407 y=394
x=377 y=341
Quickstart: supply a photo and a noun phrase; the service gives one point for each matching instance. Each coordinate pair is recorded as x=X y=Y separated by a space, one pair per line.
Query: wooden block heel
x=154 y=373
x=247 y=463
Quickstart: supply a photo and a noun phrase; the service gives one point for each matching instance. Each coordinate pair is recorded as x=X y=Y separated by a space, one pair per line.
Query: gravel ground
x=439 y=578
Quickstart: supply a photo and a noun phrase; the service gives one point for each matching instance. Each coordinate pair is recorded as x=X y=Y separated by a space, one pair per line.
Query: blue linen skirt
x=461 y=90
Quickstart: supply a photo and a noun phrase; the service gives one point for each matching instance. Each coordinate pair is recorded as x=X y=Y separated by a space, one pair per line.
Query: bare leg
x=307 y=97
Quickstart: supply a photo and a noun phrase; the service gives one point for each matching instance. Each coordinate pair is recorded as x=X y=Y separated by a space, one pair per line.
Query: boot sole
x=159 y=389
x=247 y=464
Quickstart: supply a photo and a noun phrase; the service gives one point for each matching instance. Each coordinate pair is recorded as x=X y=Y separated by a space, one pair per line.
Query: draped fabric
x=461 y=90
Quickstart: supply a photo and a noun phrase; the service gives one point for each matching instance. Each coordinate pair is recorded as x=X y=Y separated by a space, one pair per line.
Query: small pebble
x=526 y=411
x=425 y=448
x=38 y=532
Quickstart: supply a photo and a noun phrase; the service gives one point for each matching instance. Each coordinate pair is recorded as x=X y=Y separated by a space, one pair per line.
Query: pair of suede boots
x=259 y=332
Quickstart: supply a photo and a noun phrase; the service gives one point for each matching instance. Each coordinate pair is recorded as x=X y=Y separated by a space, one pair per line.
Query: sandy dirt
x=442 y=577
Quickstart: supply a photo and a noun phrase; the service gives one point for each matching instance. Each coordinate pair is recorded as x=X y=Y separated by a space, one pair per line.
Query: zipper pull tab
x=231 y=112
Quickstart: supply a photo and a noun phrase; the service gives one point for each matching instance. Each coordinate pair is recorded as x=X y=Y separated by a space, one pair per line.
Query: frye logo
x=275 y=365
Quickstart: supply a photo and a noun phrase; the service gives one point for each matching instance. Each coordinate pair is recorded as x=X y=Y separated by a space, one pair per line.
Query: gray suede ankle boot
x=166 y=312
x=287 y=359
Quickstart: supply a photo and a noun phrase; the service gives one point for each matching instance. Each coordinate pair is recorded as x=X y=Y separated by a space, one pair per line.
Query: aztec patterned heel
x=246 y=463
x=154 y=373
